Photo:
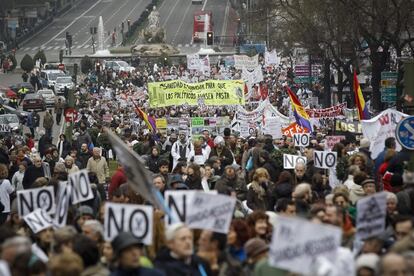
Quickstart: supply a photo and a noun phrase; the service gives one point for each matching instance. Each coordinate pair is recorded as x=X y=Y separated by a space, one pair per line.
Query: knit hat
x=368 y=181
x=85 y=210
x=364 y=143
x=369 y=260
x=123 y=241
x=254 y=247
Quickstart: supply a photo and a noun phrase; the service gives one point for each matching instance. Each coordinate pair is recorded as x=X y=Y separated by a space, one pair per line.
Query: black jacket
x=174 y=267
x=226 y=157
x=152 y=163
x=83 y=158
x=141 y=271
x=31 y=174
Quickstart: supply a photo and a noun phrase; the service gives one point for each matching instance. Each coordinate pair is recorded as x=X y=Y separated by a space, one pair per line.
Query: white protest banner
x=137 y=219
x=380 y=128
x=5 y=128
x=325 y=159
x=179 y=202
x=32 y=199
x=193 y=62
x=271 y=58
x=331 y=141
x=296 y=243
x=301 y=139
x=290 y=161
x=81 y=187
x=252 y=76
x=211 y=212
x=62 y=207
x=371 y=212
x=243 y=61
x=273 y=127
x=38 y=220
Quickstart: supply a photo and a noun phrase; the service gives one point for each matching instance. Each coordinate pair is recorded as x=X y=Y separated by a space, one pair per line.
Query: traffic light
x=210 y=38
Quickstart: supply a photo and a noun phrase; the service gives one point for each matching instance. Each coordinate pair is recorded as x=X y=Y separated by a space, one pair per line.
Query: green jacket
x=263 y=268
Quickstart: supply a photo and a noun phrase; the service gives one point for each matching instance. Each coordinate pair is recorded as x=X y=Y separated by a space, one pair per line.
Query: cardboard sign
x=211 y=212
x=371 y=215
x=38 y=220
x=292 y=129
x=273 y=127
x=331 y=141
x=161 y=123
x=179 y=202
x=32 y=199
x=325 y=159
x=137 y=219
x=5 y=128
x=301 y=139
x=62 y=207
x=81 y=187
x=297 y=244
x=290 y=161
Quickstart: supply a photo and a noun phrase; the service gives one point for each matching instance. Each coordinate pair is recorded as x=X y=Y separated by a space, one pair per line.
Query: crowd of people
x=247 y=168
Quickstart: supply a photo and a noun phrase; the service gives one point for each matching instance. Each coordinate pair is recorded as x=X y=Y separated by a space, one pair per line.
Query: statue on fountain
x=153 y=33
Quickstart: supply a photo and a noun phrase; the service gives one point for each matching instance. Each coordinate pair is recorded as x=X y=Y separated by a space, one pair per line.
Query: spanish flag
x=302 y=118
x=363 y=113
x=149 y=121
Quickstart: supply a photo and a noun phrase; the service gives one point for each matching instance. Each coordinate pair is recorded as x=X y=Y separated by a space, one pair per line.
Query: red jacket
x=117 y=180
x=30 y=143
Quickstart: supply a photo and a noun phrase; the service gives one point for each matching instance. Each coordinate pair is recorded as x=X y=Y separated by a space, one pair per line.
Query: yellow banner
x=211 y=92
x=161 y=123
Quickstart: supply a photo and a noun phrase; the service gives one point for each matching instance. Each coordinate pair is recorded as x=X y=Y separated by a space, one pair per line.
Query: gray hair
x=172 y=230
x=95 y=225
x=392 y=196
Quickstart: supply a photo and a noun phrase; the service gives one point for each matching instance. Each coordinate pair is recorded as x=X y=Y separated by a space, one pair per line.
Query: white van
x=48 y=78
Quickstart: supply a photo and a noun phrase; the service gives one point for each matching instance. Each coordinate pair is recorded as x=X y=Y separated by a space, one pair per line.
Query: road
x=177 y=19
x=78 y=22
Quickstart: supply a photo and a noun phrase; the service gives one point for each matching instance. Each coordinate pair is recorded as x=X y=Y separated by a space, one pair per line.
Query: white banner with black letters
x=38 y=220
x=81 y=187
x=137 y=219
x=290 y=161
x=325 y=159
x=301 y=139
x=38 y=198
x=297 y=244
x=371 y=213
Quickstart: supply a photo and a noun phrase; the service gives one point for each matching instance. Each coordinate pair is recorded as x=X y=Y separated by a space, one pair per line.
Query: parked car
x=10 y=119
x=23 y=115
x=49 y=96
x=34 y=102
x=48 y=78
x=61 y=82
x=118 y=65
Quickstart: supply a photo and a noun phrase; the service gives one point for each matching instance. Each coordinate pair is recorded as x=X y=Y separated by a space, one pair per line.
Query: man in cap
x=369 y=187
x=222 y=151
x=178 y=259
x=128 y=250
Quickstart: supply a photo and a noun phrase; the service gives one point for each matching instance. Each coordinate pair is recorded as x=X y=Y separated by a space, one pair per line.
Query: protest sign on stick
x=290 y=161
x=38 y=220
x=325 y=159
x=297 y=243
x=371 y=213
x=81 y=187
x=32 y=199
x=301 y=139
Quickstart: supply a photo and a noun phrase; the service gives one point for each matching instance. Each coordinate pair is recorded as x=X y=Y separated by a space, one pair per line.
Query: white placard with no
x=62 y=207
x=137 y=219
x=325 y=159
x=81 y=187
x=297 y=243
x=301 y=139
x=38 y=198
x=38 y=220
x=211 y=212
x=371 y=213
x=290 y=161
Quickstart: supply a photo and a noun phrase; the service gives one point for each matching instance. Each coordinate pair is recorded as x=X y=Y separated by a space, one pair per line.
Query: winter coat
x=278 y=191
x=175 y=267
x=48 y=121
x=83 y=159
x=152 y=163
x=31 y=174
x=225 y=156
x=96 y=270
x=257 y=196
x=272 y=169
x=141 y=271
x=225 y=185
x=193 y=183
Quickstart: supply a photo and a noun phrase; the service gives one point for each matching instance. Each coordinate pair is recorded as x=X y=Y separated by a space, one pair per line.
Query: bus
x=200 y=19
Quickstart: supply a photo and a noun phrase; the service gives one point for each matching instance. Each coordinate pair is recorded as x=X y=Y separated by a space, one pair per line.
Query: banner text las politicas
x=212 y=92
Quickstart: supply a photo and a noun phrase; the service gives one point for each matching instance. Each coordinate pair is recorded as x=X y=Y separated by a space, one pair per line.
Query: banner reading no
x=212 y=92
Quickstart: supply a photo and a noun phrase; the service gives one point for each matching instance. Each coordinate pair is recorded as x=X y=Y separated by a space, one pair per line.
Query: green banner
x=197 y=122
x=211 y=92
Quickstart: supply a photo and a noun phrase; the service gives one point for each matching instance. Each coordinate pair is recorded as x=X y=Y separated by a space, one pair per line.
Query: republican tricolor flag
x=302 y=118
x=149 y=121
x=362 y=108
